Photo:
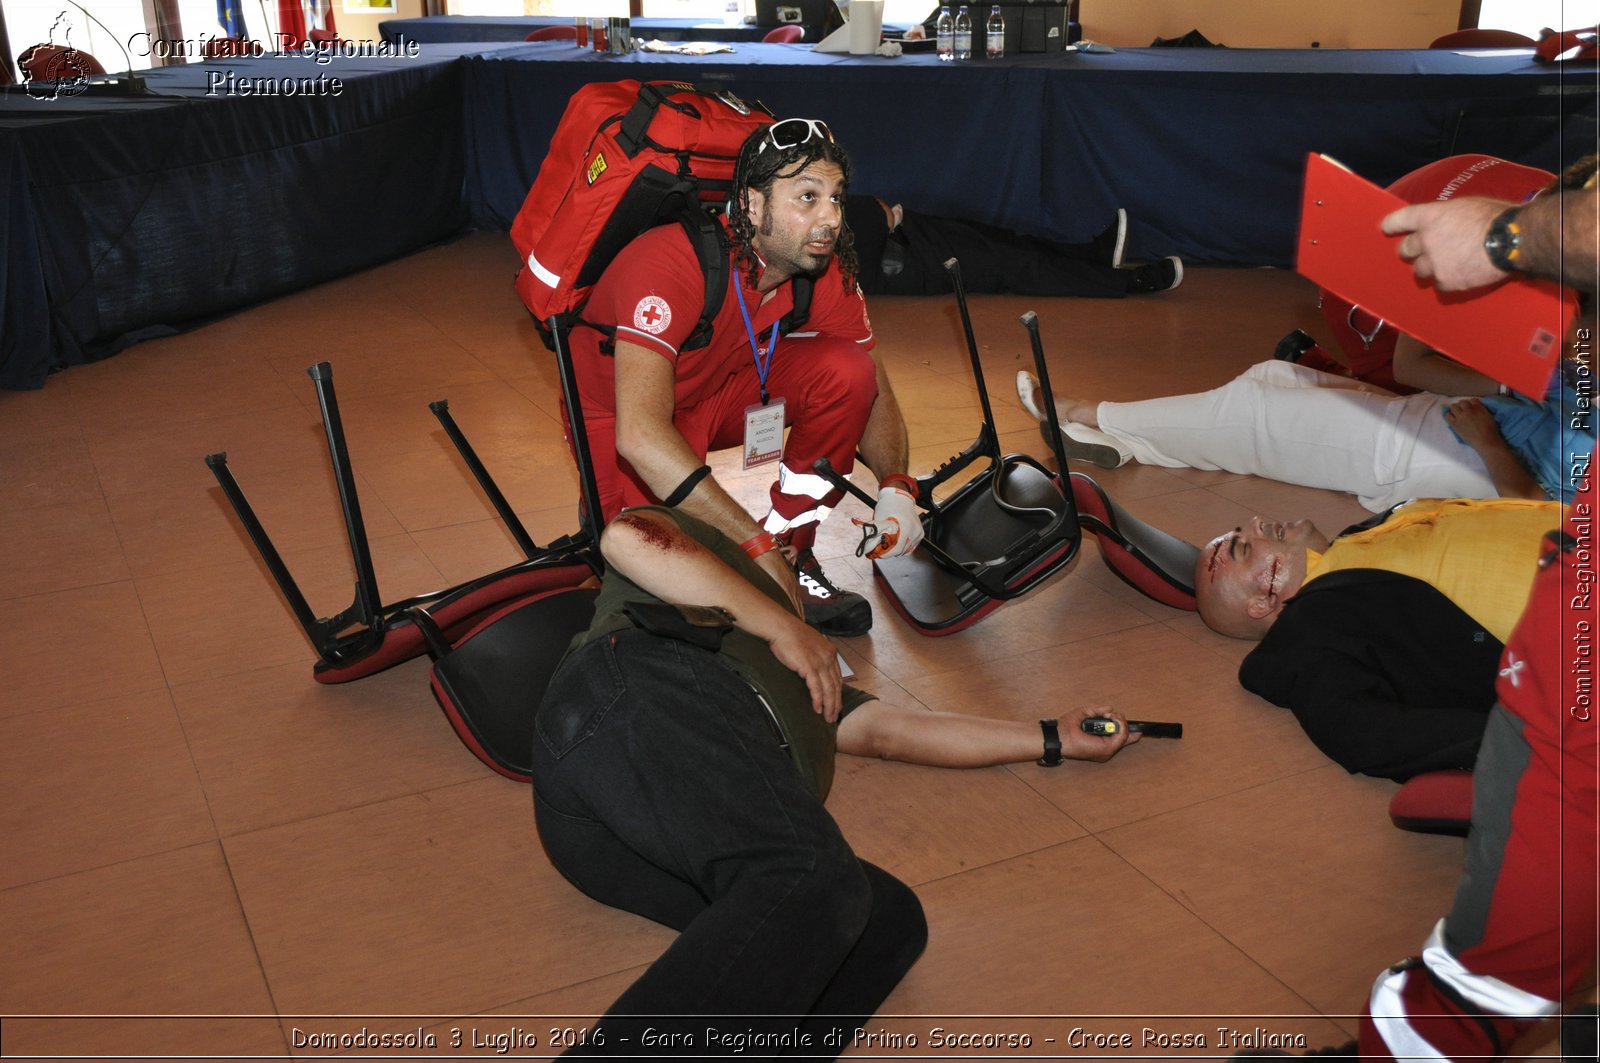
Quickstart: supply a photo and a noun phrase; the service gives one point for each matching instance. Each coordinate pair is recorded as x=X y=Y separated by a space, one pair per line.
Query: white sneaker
x=1028 y=393
x=1080 y=442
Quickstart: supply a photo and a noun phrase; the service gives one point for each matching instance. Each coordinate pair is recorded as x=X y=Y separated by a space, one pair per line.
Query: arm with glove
x=887 y=451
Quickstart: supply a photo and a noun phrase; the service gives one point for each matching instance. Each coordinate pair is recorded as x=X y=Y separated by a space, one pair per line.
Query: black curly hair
x=758 y=169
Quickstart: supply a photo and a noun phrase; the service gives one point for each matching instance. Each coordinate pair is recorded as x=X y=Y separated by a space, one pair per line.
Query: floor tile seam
x=73 y=587
x=961 y=373
x=213 y=672
x=489 y=515
x=154 y=686
x=262 y=828
x=110 y=865
x=374 y=489
x=970 y=868
x=1215 y=651
x=99 y=495
x=1221 y=795
x=250 y=934
x=1311 y=1010
x=12 y=510
x=953 y=443
x=106 y=434
x=166 y=671
x=455 y=340
x=205 y=796
x=378 y=390
x=188 y=743
x=308 y=661
x=1070 y=640
x=337 y=538
x=49 y=426
x=159 y=570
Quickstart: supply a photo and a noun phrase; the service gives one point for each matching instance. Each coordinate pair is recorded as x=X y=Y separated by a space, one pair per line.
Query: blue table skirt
x=127 y=218
x=1204 y=147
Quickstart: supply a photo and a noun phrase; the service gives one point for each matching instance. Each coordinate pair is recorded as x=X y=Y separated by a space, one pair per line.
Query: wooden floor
x=193 y=827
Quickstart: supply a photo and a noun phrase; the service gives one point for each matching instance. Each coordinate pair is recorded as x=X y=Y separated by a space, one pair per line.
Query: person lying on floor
x=902 y=252
x=1302 y=426
x=1384 y=643
x=681 y=758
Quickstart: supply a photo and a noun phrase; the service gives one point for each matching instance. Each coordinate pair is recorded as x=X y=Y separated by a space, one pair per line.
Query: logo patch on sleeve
x=652 y=315
x=597 y=166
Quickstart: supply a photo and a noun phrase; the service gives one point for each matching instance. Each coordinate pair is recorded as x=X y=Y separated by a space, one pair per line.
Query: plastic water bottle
x=994 y=34
x=944 y=32
x=963 y=33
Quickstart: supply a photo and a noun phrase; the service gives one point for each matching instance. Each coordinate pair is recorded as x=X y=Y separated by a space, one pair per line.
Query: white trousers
x=1285 y=422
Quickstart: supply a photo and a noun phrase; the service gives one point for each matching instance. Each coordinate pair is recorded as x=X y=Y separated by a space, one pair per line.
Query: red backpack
x=625 y=157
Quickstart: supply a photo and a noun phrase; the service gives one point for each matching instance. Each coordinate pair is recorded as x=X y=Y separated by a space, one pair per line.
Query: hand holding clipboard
x=1511 y=331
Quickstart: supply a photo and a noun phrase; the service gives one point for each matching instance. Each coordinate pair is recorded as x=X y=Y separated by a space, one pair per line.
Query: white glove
x=899 y=527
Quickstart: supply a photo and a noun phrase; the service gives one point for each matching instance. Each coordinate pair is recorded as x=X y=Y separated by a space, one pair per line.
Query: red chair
x=323 y=37
x=1480 y=38
x=1435 y=802
x=790 y=34
x=553 y=33
x=54 y=62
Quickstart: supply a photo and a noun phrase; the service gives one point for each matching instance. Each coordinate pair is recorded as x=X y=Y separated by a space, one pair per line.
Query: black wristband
x=1052 y=744
x=686 y=488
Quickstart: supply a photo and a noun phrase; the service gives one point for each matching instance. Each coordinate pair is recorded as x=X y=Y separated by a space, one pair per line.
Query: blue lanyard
x=763 y=358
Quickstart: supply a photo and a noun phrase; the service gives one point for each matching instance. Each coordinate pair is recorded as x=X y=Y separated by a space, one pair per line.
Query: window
x=30 y=22
x=1530 y=16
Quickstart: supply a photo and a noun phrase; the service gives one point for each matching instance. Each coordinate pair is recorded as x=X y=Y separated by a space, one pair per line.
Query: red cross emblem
x=652 y=315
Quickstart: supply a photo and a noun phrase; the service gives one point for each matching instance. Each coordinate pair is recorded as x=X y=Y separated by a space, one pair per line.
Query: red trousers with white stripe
x=828 y=386
x=1522 y=931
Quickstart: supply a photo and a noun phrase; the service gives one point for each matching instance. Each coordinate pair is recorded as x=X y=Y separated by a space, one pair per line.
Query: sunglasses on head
x=793 y=132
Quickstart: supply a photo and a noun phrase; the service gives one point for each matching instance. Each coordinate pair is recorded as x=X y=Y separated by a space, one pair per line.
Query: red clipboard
x=1512 y=331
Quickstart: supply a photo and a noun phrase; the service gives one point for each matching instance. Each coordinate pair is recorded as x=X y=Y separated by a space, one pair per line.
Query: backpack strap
x=711 y=248
x=800 y=313
x=633 y=135
x=710 y=245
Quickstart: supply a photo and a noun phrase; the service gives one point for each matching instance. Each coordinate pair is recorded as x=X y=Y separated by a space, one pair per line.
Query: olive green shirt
x=810 y=738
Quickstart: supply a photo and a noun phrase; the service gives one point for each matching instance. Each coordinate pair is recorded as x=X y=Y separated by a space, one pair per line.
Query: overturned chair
x=1014 y=524
x=495 y=640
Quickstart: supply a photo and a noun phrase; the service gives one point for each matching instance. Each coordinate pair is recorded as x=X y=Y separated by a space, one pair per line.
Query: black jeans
x=660 y=788
x=992 y=260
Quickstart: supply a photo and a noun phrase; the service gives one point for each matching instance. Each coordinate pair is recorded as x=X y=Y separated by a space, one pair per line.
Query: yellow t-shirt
x=1482 y=554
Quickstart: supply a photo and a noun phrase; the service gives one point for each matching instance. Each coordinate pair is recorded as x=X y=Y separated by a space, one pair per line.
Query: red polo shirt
x=654 y=292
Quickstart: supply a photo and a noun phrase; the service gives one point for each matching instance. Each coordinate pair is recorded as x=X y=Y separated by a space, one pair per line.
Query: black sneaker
x=829 y=609
x=1113 y=240
x=1162 y=276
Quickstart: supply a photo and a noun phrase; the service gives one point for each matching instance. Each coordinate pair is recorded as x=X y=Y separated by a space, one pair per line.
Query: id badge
x=763 y=433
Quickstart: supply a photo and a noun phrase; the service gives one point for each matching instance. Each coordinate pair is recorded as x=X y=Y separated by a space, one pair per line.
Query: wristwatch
x=1504 y=240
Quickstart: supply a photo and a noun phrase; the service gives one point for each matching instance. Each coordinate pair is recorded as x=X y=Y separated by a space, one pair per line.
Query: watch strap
x=1052 y=744
x=1503 y=242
